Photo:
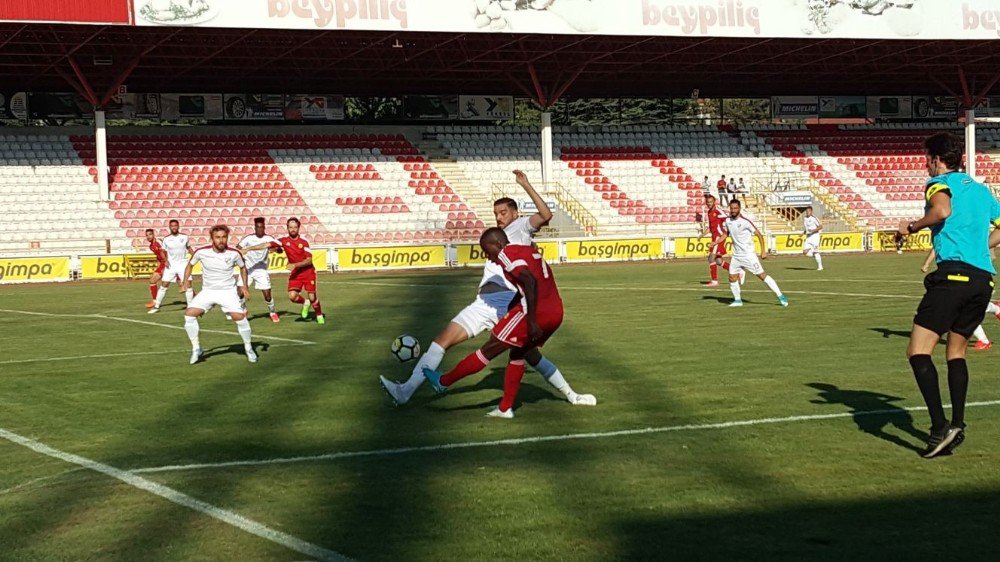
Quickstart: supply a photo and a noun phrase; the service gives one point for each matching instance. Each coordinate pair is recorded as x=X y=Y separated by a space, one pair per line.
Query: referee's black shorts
x=956 y=299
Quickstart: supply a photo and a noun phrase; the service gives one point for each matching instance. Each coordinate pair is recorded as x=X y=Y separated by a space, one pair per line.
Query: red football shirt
x=515 y=259
x=716 y=220
x=157 y=250
x=297 y=249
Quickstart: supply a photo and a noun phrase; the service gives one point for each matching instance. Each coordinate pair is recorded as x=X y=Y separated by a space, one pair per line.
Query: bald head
x=493 y=241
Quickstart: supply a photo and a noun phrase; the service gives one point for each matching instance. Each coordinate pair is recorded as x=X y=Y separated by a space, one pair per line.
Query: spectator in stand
x=741 y=188
x=706 y=188
x=723 y=188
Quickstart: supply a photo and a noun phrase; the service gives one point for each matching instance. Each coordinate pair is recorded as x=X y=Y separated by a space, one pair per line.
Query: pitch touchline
x=539 y=439
x=147 y=323
x=635 y=288
x=172 y=495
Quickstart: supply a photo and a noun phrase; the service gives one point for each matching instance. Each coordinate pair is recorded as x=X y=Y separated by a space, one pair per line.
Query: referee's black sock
x=958 y=386
x=927 y=379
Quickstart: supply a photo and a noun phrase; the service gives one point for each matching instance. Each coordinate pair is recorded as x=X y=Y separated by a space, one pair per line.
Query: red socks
x=714 y=270
x=511 y=384
x=725 y=265
x=298 y=299
x=317 y=308
x=471 y=365
x=152 y=291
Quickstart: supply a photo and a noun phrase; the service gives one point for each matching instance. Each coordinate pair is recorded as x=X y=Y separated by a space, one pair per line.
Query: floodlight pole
x=970 y=141
x=546 y=147
x=101 y=148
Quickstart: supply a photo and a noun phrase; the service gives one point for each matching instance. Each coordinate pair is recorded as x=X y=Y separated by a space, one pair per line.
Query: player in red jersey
x=161 y=258
x=716 y=217
x=303 y=274
x=525 y=327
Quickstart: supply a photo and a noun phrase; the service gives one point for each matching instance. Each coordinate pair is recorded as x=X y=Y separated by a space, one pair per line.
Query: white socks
x=161 y=292
x=980 y=334
x=735 y=288
x=431 y=359
x=188 y=295
x=819 y=260
x=243 y=327
x=556 y=379
x=270 y=306
x=769 y=281
x=191 y=327
x=992 y=309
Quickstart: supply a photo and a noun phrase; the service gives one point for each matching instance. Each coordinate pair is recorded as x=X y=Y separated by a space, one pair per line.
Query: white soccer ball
x=405 y=348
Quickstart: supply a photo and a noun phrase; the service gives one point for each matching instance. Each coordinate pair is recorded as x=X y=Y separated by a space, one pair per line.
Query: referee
x=959 y=211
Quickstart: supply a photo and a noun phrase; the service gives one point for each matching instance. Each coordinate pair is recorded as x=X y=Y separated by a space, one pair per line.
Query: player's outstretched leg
x=553 y=376
x=317 y=308
x=819 y=261
x=452 y=335
x=243 y=327
x=472 y=364
x=773 y=285
x=994 y=309
x=192 y=329
x=734 y=286
x=982 y=340
x=161 y=293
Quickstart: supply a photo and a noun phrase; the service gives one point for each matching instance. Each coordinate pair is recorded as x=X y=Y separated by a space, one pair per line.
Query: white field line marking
x=147 y=323
x=171 y=495
x=667 y=289
x=539 y=439
x=109 y=355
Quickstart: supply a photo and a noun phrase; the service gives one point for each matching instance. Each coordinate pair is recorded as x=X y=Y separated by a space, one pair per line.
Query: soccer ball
x=405 y=348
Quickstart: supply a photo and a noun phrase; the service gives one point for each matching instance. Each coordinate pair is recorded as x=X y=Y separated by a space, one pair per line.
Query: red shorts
x=307 y=284
x=512 y=329
x=159 y=269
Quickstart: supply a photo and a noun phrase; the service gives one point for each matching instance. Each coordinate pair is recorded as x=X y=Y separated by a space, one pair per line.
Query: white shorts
x=173 y=273
x=750 y=264
x=811 y=243
x=259 y=278
x=227 y=299
x=477 y=318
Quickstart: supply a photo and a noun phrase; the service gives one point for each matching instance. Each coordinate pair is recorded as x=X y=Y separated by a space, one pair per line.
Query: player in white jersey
x=743 y=231
x=177 y=246
x=255 y=248
x=811 y=227
x=494 y=298
x=218 y=287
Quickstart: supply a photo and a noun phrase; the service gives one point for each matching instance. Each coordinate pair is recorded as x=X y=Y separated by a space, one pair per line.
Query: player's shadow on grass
x=281 y=314
x=725 y=300
x=529 y=393
x=887 y=333
x=236 y=348
x=800 y=268
x=872 y=412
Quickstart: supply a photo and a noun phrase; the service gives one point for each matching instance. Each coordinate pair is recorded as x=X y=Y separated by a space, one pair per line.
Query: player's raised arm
x=544 y=214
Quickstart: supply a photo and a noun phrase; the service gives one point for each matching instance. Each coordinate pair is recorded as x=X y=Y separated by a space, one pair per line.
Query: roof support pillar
x=101 y=147
x=546 y=133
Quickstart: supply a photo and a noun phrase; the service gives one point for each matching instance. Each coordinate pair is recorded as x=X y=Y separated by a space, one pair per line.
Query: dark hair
x=148 y=230
x=737 y=203
x=259 y=220
x=810 y=207
x=709 y=196
x=506 y=201
x=218 y=228
x=295 y=220
x=493 y=234
x=947 y=147
x=172 y=221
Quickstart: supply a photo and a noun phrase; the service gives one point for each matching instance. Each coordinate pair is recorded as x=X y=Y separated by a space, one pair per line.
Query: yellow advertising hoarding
x=472 y=254
x=141 y=265
x=886 y=241
x=835 y=242
x=698 y=247
x=614 y=250
x=390 y=257
x=24 y=270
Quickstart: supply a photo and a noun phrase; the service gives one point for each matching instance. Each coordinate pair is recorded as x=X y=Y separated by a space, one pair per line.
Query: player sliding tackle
x=218 y=287
x=495 y=296
x=742 y=232
x=523 y=329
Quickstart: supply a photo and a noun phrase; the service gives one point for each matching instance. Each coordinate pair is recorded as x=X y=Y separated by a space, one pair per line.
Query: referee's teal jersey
x=964 y=236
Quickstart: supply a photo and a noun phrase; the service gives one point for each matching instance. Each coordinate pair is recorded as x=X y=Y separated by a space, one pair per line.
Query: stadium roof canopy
x=162 y=58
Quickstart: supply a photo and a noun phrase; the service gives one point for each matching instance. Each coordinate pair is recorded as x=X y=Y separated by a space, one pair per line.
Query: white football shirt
x=741 y=230
x=257 y=258
x=176 y=247
x=519 y=232
x=811 y=225
x=217 y=267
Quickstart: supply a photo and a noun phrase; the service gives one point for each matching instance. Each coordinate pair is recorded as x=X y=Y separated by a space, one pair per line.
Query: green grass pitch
x=657 y=349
